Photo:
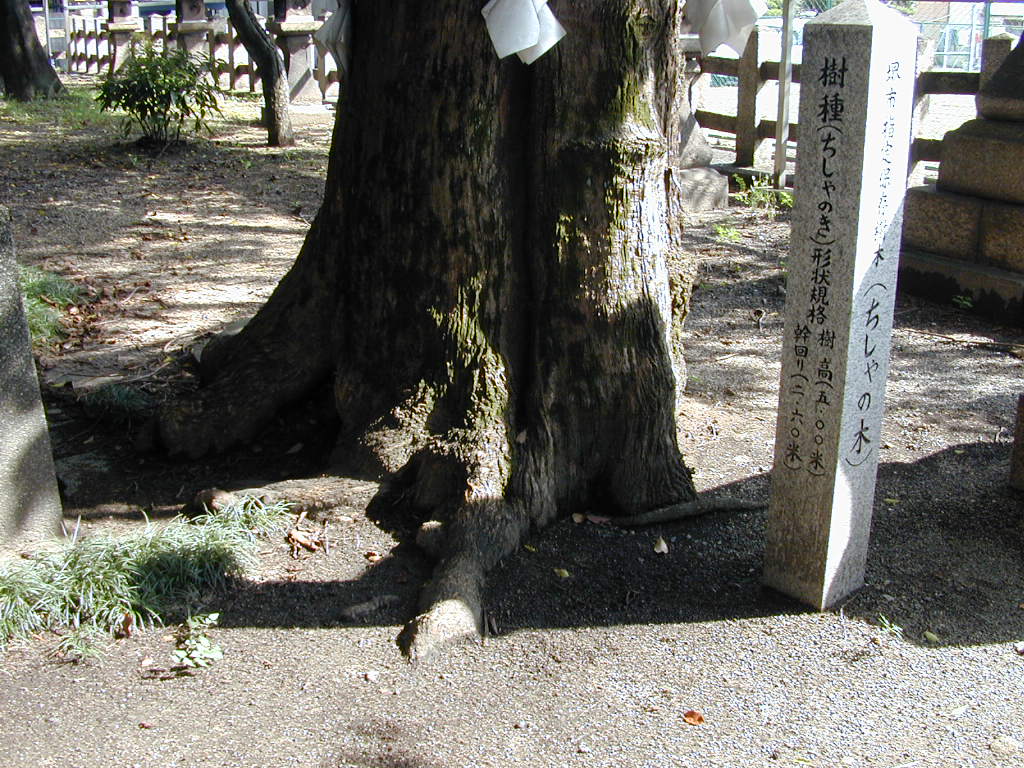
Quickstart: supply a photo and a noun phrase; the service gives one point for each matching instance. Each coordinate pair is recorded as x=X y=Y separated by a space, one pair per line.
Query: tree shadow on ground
x=946 y=557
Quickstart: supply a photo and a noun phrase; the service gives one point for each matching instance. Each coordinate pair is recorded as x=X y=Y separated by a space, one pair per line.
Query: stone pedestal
x=29 y=504
x=295 y=39
x=120 y=28
x=856 y=100
x=964 y=236
x=192 y=28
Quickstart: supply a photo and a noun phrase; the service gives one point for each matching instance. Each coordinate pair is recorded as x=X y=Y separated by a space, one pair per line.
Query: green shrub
x=163 y=92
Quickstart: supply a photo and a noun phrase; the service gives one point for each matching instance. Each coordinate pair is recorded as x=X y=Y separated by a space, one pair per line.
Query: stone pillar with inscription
x=121 y=25
x=293 y=25
x=856 y=99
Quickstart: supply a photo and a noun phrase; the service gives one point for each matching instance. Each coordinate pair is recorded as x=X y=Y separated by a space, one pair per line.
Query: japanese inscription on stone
x=855 y=109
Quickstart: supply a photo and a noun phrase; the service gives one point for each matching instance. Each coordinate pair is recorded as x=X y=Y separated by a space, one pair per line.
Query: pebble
x=1005 y=745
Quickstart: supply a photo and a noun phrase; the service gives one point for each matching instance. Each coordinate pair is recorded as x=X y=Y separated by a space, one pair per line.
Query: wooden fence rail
x=89 y=50
x=750 y=130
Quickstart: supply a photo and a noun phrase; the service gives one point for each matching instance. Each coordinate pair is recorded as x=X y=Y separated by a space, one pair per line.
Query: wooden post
x=785 y=81
x=749 y=75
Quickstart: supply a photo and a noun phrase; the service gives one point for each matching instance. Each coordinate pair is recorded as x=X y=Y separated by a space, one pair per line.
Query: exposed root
x=317 y=497
x=447 y=623
x=686 y=509
x=469 y=543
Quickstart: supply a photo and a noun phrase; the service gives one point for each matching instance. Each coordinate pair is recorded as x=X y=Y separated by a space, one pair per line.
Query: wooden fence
x=90 y=51
x=750 y=130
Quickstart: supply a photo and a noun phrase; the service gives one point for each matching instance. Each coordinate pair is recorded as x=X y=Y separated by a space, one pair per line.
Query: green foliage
x=105 y=583
x=965 y=302
x=893 y=629
x=195 y=648
x=727 y=232
x=162 y=92
x=45 y=296
x=761 y=195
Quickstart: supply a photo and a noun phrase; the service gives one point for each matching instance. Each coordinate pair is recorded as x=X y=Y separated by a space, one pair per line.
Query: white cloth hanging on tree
x=724 y=22
x=526 y=28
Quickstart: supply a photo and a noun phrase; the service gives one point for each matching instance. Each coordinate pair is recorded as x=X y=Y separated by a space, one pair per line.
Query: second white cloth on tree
x=526 y=28
x=724 y=22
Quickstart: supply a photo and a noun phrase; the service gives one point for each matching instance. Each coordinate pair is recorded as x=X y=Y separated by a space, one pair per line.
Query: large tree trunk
x=25 y=71
x=270 y=64
x=486 y=282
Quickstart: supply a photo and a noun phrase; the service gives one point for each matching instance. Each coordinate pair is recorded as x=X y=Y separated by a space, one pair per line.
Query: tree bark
x=486 y=282
x=270 y=63
x=25 y=71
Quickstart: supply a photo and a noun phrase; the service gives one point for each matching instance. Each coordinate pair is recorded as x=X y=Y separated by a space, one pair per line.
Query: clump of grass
x=117 y=402
x=93 y=587
x=760 y=195
x=74 y=108
x=45 y=295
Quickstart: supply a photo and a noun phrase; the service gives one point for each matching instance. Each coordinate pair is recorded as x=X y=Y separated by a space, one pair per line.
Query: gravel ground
x=599 y=668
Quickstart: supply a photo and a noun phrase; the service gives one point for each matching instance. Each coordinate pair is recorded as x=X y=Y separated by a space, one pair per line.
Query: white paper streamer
x=724 y=22
x=527 y=28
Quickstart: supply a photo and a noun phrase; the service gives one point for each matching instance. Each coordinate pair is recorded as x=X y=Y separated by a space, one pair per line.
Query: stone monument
x=964 y=235
x=29 y=503
x=856 y=99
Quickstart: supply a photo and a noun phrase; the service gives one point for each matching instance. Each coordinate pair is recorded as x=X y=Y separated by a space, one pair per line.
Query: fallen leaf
x=562 y=573
x=694 y=717
x=529 y=547
x=578 y=518
x=145 y=725
x=661 y=546
x=931 y=637
x=599 y=519
x=892 y=501
x=373 y=557
x=1019 y=648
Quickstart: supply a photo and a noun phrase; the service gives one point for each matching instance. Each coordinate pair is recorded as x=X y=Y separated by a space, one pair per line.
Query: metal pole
x=785 y=79
x=46 y=26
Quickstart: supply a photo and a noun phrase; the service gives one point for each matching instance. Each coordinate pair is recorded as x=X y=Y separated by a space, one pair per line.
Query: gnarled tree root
x=452 y=607
x=693 y=508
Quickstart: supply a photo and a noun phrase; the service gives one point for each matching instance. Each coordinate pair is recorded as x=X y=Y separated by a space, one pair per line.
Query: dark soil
x=598 y=646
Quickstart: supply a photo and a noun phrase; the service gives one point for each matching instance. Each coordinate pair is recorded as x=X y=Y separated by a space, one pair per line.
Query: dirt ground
x=594 y=669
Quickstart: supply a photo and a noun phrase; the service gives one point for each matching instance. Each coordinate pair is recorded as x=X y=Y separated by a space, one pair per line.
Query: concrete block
x=29 y=503
x=702 y=189
x=994 y=292
x=942 y=222
x=984 y=158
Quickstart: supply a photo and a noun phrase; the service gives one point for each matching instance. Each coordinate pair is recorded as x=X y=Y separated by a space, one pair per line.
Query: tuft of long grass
x=46 y=296
x=95 y=585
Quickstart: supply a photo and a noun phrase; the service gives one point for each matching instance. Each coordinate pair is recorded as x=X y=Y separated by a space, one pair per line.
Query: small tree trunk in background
x=25 y=71
x=487 y=284
x=270 y=61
